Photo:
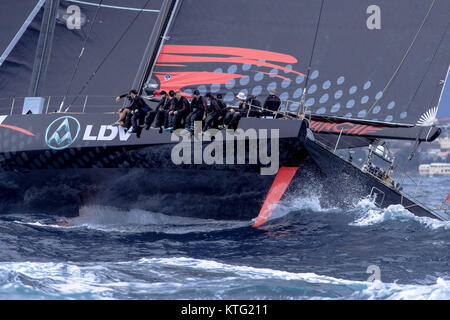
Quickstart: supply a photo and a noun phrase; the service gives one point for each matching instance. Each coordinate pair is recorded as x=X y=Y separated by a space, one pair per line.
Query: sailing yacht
x=350 y=74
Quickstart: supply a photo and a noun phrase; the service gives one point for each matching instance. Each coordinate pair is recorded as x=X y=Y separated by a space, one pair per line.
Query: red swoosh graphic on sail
x=235 y=51
x=171 y=55
x=179 y=80
x=175 y=54
x=167 y=58
x=17 y=129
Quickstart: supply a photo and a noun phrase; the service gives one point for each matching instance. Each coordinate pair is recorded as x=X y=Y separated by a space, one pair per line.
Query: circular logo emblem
x=62 y=132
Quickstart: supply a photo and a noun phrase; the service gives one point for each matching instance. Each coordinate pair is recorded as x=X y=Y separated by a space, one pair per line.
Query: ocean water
x=304 y=252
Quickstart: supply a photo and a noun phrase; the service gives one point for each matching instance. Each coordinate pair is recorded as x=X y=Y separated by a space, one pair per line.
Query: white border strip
x=112 y=7
x=21 y=31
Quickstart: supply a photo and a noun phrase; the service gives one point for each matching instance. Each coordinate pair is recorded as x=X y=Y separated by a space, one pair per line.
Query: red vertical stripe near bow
x=279 y=186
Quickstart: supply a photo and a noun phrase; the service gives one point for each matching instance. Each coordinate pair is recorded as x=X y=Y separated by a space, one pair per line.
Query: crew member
x=136 y=109
x=151 y=114
x=254 y=106
x=223 y=110
x=162 y=117
x=124 y=111
x=178 y=107
x=213 y=111
x=157 y=112
x=233 y=116
x=272 y=103
x=198 y=107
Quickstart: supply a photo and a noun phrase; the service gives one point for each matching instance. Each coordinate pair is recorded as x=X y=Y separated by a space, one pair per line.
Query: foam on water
x=305 y=204
x=181 y=278
x=110 y=219
x=370 y=214
x=365 y=211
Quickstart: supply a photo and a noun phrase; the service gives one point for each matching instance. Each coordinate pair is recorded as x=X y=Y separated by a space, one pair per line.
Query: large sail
x=117 y=42
x=373 y=59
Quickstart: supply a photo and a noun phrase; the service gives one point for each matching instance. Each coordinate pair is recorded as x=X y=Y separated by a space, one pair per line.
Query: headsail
x=374 y=59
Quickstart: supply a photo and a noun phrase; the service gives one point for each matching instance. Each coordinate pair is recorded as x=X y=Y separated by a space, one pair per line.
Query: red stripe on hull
x=17 y=129
x=279 y=186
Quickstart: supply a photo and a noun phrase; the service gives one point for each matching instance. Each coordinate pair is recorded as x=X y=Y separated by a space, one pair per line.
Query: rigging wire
x=81 y=54
x=397 y=166
x=302 y=103
x=109 y=53
x=402 y=169
x=388 y=84
x=428 y=68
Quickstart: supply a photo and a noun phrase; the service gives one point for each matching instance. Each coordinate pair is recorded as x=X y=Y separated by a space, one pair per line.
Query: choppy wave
x=104 y=218
x=305 y=251
x=364 y=211
x=183 y=278
x=111 y=219
x=369 y=214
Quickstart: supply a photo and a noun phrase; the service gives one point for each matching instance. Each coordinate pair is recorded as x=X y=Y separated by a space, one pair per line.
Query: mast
x=44 y=48
x=156 y=40
x=301 y=109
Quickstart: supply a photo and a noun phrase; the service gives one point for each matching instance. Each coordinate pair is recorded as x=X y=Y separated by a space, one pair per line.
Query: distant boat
x=434 y=169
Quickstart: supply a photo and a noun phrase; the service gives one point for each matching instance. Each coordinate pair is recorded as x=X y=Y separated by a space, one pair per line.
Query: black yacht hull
x=137 y=175
x=211 y=192
x=130 y=172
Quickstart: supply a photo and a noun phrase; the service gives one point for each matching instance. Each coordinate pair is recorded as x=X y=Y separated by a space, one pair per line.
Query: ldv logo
x=62 y=132
x=105 y=133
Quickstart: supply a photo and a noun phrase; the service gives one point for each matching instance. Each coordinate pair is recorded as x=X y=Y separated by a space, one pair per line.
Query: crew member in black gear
x=157 y=113
x=272 y=103
x=178 y=106
x=162 y=117
x=198 y=107
x=151 y=114
x=124 y=111
x=213 y=111
x=254 y=106
x=233 y=116
x=136 y=109
x=223 y=110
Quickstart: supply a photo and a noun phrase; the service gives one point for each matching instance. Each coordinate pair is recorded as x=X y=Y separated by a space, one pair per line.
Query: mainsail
x=373 y=59
x=125 y=27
